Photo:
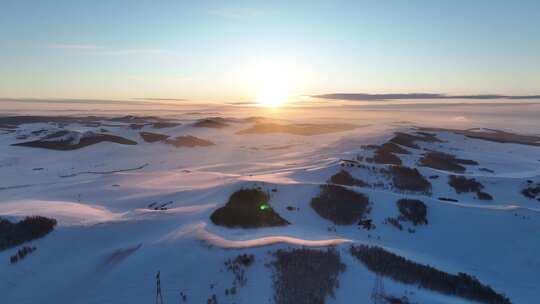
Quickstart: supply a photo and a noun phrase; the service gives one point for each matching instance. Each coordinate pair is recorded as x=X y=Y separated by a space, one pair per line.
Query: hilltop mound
x=247 y=208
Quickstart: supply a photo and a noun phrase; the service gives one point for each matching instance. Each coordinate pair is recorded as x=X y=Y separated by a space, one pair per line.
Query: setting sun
x=271 y=84
x=272 y=94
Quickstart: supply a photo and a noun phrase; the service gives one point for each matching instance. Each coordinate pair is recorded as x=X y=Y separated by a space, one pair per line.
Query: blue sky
x=217 y=50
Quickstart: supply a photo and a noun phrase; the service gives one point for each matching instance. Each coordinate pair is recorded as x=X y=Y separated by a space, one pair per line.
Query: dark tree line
x=406 y=271
x=30 y=228
x=22 y=253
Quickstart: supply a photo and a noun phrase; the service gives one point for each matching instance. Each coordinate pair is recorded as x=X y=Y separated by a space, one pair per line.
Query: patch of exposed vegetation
x=484 y=196
x=238 y=267
x=15 y=121
x=340 y=205
x=159 y=206
x=396 y=300
x=385 y=158
x=532 y=190
x=305 y=276
x=394 y=222
x=248 y=208
x=448 y=199
x=61 y=141
x=212 y=122
x=406 y=271
x=21 y=254
x=153 y=137
x=412 y=210
x=367 y=224
x=444 y=161
x=409 y=140
x=465 y=185
x=391 y=147
x=409 y=179
x=164 y=125
x=30 y=228
x=386 y=153
x=343 y=177
x=189 y=142
x=462 y=184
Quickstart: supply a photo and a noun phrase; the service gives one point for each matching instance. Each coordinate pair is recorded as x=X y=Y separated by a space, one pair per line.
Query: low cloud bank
x=397 y=96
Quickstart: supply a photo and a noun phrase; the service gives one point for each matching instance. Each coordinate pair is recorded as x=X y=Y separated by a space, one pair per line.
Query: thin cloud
x=242 y=103
x=80 y=101
x=68 y=46
x=160 y=99
x=162 y=79
x=133 y=52
x=399 y=96
x=236 y=13
x=102 y=50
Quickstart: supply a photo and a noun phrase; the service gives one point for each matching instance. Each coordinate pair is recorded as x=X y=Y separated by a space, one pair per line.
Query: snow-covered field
x=111 y=241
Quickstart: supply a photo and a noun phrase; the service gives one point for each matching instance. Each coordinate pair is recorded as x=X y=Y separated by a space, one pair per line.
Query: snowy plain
x=109 y=243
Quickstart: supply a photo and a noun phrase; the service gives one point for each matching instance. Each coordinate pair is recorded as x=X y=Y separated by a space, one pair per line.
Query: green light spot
x=264 y=207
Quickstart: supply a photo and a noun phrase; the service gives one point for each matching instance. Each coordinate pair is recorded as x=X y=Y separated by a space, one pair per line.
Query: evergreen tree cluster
x=413 y=210
x=406 y=271
x=30 y=228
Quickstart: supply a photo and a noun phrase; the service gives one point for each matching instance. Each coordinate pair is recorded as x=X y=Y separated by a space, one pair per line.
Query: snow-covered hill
x=128 y=207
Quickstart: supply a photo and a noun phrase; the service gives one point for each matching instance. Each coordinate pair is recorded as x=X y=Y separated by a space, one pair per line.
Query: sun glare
x=272 y=86
x=272 y=95
x=270 y=82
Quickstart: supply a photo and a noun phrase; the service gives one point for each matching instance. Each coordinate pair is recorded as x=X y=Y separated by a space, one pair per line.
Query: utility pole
x=159 y=297
x=377 y=294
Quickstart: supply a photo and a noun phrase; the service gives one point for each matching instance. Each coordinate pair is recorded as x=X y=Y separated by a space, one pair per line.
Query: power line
x=377 y=294
x=159 y=297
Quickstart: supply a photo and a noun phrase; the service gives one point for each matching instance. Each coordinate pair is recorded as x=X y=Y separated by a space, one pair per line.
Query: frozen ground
x=110 y=240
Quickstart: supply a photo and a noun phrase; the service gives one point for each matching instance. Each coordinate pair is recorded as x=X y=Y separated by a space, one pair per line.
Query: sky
x=239 y=51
